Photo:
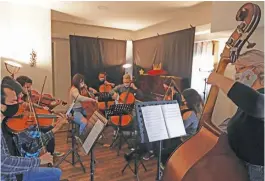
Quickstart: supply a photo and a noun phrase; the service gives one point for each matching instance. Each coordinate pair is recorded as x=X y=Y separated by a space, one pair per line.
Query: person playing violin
x=75 y=95
x=102 y=80
x=26 y=84
x=127 y=84
x=245 y=129
x=172 y=93
x=14 y=166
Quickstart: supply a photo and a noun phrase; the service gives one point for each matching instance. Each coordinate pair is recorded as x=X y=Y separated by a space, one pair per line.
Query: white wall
x=199 y=15
x=225 y=12
x=23 y=28
x=64 y=29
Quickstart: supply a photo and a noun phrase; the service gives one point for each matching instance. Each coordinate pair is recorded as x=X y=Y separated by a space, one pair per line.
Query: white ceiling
x=129 y=15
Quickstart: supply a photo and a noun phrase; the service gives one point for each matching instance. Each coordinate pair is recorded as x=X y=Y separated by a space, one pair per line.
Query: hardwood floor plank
x=108 y=165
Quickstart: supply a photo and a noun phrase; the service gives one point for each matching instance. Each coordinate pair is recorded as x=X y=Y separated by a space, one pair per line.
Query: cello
x=124 y=98
x=105 y=87
x=196 y=158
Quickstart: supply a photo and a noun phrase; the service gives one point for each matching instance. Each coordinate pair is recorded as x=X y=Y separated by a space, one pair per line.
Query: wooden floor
x=108 y=164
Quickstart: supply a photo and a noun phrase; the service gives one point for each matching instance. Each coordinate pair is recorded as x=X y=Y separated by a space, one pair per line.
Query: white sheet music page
x=97 y=128
x=173 y=120
x=154 y=123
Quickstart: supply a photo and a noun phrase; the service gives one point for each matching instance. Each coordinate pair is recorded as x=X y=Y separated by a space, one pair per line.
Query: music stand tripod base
x=72 y=151
x=119 y=110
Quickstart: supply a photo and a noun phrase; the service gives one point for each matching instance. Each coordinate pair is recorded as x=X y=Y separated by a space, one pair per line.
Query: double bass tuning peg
x=250 y=45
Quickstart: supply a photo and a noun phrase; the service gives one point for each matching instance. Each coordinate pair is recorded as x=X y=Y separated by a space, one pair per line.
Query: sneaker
x=58 y=154
x=148 y=155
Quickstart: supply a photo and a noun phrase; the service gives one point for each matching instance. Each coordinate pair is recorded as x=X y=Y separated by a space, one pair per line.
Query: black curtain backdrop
x=89 y=56
x=173 y=50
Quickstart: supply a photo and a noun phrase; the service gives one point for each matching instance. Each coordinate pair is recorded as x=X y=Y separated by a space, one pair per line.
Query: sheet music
x=91 y=138
x=154 y=123
x=173 y=120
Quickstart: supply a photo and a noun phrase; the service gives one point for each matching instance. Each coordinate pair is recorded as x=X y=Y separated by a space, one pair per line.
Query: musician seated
x=127 y=85
x=102 y=80
x=75 y=95
x=191 y=110
x=13 y=166
x=26 y=84
x=246 y=128
x=173 y=93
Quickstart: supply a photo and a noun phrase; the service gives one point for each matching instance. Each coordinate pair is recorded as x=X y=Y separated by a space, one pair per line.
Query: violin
x=90 y=107
x=186 y=163
x=87 y=93
x=25 y=118
x=124 y=98
x=45 y=100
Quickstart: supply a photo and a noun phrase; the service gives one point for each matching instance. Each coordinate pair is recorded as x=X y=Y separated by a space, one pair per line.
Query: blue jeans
x=79 y=113
x=42 y=174
x=255 y=172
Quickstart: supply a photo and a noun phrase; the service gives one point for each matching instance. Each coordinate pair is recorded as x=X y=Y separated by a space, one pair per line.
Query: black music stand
x=136 y=156
x=104 y=97
x=119 y=110
x=89 y=137
x=143 y=132
x=72 y=151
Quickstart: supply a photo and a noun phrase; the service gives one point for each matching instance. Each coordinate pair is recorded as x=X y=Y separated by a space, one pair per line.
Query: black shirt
x=246 y=127
x=12 y=148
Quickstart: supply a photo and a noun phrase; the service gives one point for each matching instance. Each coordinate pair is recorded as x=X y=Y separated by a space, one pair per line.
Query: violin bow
x=42 y=89
x=33 y=111
x=169 y=87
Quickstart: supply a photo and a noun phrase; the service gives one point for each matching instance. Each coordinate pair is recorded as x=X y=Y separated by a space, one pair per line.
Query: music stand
x=143 y=132
x=136 y=154
x=104 y=97
x=89 y=137
x=72 y=151
x=119 y=110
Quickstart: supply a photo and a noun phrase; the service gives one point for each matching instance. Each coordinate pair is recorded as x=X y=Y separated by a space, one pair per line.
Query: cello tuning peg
x=250 y=45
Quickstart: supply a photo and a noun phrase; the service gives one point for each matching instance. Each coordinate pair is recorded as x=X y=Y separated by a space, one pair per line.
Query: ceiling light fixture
x=127 y=65
x=102 y=7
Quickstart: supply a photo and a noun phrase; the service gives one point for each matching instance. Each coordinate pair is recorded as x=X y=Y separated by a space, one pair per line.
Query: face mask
x=82 y=84
x=126 y=85
x=11 y=110
x=247 y=77
x=101 y=80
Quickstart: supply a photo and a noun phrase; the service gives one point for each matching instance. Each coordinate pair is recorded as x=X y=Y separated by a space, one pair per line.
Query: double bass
x=124 y=98
x=183 y=165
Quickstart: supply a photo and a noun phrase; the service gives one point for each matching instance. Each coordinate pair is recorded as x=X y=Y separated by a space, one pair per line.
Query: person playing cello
x=127 y=85
x=102 y=80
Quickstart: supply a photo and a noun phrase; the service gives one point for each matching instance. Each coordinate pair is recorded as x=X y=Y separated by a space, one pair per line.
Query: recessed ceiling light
x=102 y=7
